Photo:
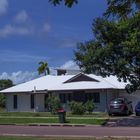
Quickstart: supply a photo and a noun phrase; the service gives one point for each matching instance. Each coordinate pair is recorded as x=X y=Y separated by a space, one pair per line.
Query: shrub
x=2 y=100
x=89 y=106
x=77 y=108
x=53 y=103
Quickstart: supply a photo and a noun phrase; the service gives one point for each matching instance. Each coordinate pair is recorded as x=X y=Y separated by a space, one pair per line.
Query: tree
x=115 y=49
x=43 y=68
x=3 y=85
x=53 y=103
x=68 y=3
x=121 y=8
x=114 y=6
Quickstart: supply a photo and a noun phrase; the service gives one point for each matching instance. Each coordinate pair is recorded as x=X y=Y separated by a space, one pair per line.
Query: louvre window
x=15 y=101
x=32 y=101
x=93 y=96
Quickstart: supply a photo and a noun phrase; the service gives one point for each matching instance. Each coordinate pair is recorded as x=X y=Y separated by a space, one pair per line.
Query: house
x=30 y=96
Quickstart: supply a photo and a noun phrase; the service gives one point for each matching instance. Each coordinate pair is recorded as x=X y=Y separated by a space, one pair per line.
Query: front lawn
x=50 y=120
x=48 y=114
x=46 y=117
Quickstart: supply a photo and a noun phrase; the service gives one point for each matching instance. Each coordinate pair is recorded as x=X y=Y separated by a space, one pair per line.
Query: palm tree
x=43 y=68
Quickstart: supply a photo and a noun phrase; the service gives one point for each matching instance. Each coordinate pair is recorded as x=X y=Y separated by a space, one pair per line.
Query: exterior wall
x=103 y=102
x=134 y=97
x=105 y=97
x=39 y=103
x=23 y=103
x=9 y=102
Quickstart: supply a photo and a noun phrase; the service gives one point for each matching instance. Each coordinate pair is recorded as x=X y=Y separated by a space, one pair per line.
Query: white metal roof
x=56 y=83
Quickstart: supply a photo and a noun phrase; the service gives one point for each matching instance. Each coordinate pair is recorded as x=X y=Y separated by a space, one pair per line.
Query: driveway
x=128 y=121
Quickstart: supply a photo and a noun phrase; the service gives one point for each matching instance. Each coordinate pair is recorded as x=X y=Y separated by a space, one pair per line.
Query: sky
x=34 y=30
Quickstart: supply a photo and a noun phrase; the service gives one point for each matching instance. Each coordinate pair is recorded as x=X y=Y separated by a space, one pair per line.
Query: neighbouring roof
x=67 y=82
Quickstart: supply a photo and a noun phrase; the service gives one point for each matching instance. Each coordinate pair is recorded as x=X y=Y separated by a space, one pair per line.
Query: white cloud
x=46 y=27
x=22 y=25
x=8 y=30
x=19 y=77
x=22 y=16
x=22 y=30
x=3 y=6
x=70 y=65
x=20 y=57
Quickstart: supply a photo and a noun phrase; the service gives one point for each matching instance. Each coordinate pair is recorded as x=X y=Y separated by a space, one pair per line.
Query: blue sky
x=35 y=30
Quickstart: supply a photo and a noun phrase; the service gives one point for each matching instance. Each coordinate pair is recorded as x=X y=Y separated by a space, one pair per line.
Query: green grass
x=50 y=138
x=50 y=120
x=93 y=114
x=48 y=114
x=46 y=117
x=87 y=121
x=27 y=120
x=26 y=114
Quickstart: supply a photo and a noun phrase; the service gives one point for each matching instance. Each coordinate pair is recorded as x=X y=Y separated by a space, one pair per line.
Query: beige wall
x=105 y=97
x=23 y=103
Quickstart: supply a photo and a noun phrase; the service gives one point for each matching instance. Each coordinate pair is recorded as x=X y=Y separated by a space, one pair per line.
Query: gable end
x=81 y=77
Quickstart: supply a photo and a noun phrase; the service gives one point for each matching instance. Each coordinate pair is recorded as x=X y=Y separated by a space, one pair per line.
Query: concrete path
x=88 y=131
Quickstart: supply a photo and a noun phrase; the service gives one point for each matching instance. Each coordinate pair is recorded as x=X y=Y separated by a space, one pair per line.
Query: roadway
x=69 y=131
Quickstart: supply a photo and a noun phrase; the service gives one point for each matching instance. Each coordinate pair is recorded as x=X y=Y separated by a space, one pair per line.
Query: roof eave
x=26 y=92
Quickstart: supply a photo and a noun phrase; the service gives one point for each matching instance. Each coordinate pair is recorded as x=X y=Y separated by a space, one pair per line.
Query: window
x=69 y=97
x=45 y=100
x=32 y=101
x=93 y=96
x=96 y=97
x=15 y=101
x=62 y=98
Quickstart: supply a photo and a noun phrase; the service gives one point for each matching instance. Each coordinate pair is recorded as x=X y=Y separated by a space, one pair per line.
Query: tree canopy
x=120 y=7
x=115 y=49
x=68 y=3
x=43 y=68
x=5 y=83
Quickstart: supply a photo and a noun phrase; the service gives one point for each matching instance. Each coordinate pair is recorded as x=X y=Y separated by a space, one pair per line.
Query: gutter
x=26 y=92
